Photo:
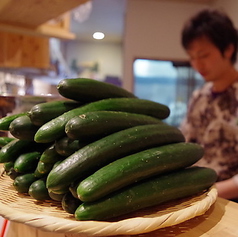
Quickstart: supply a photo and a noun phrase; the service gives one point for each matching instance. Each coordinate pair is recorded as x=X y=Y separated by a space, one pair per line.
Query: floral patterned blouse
x=212 y=121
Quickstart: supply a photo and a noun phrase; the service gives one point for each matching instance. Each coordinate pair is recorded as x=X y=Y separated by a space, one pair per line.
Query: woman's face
x=207 y=59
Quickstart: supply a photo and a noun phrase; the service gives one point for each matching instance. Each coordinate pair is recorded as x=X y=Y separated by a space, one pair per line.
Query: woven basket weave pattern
x=50 y=216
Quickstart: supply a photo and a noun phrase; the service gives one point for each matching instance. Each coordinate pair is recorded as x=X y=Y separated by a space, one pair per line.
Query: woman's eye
x=203 y=55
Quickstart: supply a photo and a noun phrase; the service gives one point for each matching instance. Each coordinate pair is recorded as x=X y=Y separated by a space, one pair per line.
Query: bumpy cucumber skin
x=97 y=124
x=138 y=166
x=89 y=90
x=5 y=121
x=44 y=112
x=151 y=192
x=55 y=129
x=103 y=151
x=27 y=162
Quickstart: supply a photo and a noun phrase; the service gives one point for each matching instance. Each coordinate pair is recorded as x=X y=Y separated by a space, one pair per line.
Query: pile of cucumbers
x=101 y=152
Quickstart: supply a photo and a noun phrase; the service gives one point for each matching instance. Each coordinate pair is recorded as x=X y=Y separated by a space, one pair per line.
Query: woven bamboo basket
x=49 y=216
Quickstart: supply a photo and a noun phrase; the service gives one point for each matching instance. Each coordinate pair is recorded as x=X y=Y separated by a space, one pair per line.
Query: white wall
x=231 y=7
x=152 y=30
x=108 y=55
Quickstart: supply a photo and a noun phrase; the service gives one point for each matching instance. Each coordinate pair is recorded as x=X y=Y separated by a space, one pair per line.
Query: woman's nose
x=197 y=64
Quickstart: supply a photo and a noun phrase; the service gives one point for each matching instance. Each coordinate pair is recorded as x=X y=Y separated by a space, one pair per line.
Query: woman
x=210 y=41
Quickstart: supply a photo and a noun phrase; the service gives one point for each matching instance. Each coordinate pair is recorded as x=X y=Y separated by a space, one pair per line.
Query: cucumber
x=43 y=169
x=97 y=124
x=50 y=155
x=27 y=162
x=44 y=112
x=5 y=121
x=38 y=190
x=150 y=192
x=5 y=140
x=66 y=146
x=57 y=163
x=55 y=129
x=136 y=167
x=8 y=165
x=73 y=188
x=13 y=149
x=56 y=197
x=12 y=173
x=60 y=191
x=88 y=90
x=22 y=182
x=22 y=128
x=103 y=151
x=38 y=174
x=70 y=203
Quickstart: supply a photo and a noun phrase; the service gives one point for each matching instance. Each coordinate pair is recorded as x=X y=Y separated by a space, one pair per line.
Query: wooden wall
x=18 y=50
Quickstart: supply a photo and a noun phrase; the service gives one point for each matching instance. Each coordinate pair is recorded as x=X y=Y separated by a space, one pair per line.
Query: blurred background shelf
x=40 y=18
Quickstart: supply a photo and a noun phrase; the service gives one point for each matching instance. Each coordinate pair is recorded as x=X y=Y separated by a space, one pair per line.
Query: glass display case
x=167 y=82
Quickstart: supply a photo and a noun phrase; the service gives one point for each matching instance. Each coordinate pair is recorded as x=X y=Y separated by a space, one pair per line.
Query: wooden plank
x=3 y=41
x=35 y=52
x=11 y=48
x=32 y=13
x=24 y=51
x=43 y=30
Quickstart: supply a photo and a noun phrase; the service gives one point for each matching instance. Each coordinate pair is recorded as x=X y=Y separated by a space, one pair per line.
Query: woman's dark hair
x=215 y=25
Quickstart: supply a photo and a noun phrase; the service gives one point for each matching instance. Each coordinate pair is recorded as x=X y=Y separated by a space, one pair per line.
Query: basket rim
x=195 y=206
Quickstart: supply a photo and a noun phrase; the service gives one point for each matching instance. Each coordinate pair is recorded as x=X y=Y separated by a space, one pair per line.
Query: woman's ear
x=229 y=51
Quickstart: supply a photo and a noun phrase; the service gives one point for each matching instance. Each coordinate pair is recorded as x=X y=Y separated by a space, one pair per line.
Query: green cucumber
x=50 y=155
x=5 y=140
x=13 y=149
x=5 y=121
x=97 y=124
x=27 y=162
x=44 y=112
x=22 y=128
x=73 y=188
x=70 y=203
x=22 y=182
x=88 y=90
x=150 y=192
x=38 y=174
x=136 y=167
x=57 y=163
x=43 y=169
x=56 y=196
x=12 y=173
x=8 y=165
x=103 y=151
x=55 y=129
x=66 y=146
x=38 y=190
